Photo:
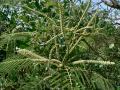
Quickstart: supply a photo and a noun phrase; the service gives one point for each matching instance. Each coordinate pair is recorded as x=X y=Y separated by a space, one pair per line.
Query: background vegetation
x=58 y=45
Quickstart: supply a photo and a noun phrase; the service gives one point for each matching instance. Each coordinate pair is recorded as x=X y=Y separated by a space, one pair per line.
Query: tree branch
x=112 y=3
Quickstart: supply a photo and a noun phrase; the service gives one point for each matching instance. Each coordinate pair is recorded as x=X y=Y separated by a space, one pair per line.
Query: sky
x=103 y=6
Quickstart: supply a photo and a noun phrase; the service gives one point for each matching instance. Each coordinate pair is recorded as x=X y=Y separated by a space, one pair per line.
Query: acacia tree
x=59 y=45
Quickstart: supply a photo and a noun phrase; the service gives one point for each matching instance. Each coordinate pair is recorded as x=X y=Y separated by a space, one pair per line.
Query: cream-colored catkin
x=94 y=62
x=37 y=58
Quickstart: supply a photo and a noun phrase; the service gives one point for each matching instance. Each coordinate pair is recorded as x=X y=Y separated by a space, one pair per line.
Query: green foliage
x=57 y=45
